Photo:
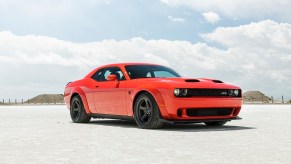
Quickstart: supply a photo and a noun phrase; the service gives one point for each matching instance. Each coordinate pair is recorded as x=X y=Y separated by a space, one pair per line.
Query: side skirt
x=112 y=116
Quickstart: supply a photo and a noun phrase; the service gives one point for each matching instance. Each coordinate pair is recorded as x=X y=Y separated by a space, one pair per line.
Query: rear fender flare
x=81 y=93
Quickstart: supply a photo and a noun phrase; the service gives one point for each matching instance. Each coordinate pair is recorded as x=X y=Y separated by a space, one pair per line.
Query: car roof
x=123 y=64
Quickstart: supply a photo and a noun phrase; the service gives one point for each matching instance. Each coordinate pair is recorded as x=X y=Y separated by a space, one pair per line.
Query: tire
x=215 y=123
x=77 y=111
x=146 y=112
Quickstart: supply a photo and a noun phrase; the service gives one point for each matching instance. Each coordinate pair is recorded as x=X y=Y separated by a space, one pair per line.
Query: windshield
x=149 y=71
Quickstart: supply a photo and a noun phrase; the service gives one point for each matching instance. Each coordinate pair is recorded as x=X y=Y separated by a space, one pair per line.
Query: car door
x=109 y=96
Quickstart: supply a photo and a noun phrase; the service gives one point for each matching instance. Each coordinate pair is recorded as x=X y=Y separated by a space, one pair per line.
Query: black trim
x=200 y=120
x=208 y=92
x=192 y=80
x=194 y=112
x=112 y=116
x=217 y=81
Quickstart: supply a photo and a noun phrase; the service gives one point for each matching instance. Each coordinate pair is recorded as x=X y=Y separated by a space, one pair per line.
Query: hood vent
x=217 y=81
x=192 y=80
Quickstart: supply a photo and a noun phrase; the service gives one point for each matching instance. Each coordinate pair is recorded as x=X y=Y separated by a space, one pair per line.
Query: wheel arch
x=136 y=96
x=81 y=94
x=158 y=98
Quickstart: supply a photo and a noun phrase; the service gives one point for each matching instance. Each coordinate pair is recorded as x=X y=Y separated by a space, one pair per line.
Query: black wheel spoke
x=76 y=114
x=78 y=103
x=142 y=108
x=76 y=109
x=149 y=112
x=144 y=117
x=147 y=104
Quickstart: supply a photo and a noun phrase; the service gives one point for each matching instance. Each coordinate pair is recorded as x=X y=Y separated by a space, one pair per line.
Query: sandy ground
x=45 y=134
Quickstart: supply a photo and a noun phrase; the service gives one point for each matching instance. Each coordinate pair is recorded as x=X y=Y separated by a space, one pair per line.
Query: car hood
x=188 y=83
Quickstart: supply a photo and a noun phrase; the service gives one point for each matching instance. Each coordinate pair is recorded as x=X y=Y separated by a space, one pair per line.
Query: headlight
x=181 y=92
x=184 y=92
x=236 y=92
x=176 y=92
x=230 y=92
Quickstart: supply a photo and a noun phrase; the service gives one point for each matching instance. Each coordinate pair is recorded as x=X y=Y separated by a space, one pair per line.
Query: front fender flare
x=157 y=94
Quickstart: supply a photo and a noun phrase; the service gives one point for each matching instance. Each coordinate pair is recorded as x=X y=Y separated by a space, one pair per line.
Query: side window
x=105 y=72
x=97 y=75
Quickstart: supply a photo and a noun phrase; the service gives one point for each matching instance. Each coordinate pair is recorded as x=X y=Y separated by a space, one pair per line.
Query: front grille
x=192 y=112
x=212 y=93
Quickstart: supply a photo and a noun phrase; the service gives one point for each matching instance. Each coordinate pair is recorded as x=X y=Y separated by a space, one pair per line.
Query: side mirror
x=111 y=77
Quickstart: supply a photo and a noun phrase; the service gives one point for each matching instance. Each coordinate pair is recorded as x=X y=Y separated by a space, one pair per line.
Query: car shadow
x=115 y=122
x=200 y=127
x=191 y=127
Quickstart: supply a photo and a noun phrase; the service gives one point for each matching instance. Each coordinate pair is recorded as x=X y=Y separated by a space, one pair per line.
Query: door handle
x=97 y=86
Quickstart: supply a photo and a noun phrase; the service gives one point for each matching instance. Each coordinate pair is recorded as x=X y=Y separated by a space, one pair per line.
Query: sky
x=46 y=43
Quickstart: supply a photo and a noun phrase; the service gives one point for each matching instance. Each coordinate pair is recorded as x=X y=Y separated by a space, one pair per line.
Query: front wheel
x=77 y=111
x=215 y=123
x=146 y=112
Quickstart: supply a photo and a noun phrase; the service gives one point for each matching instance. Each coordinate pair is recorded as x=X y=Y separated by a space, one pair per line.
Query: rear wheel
x=77 y=111
x=215 y=123
x=146 y=112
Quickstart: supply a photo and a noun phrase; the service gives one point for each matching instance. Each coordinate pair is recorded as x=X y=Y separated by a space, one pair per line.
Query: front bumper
x=177 y=108
x=199 y=120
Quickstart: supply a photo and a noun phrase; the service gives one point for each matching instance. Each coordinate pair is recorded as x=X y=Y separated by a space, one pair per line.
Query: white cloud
x=259 y=51
x=254 y=56
x=51 y=63
x=173 y=19
x=266 y=34
x=211 y=17
x=238 y=8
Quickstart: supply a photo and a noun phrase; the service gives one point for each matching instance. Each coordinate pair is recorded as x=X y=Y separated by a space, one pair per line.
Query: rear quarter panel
x=82 y=88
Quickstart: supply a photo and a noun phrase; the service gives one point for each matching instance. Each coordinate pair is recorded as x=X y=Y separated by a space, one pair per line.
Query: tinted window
x=163 y=74
x=149 y=71
x=102 y=74
x=97 y=75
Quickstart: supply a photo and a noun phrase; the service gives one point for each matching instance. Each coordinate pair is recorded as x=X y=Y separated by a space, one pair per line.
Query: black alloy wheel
x=77 y=111
x=146 y=112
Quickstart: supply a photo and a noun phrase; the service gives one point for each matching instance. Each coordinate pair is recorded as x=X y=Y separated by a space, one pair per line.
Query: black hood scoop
x=217 y=81
x=192 y=80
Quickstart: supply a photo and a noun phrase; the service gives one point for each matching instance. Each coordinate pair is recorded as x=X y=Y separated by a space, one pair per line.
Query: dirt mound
x=47 y=98
x=255 y=96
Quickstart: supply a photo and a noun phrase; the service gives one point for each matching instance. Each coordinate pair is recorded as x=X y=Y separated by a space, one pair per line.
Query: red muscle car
x=151 y=95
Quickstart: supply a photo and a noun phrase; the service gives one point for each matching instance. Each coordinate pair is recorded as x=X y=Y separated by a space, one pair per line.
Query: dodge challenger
x=151 y=95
